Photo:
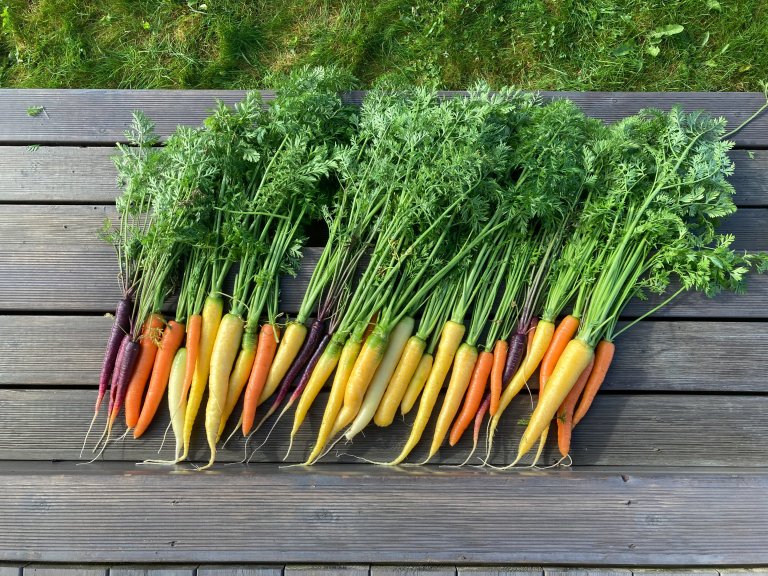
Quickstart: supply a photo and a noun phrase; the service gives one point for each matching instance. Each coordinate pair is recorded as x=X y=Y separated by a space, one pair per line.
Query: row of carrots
x=459 y=232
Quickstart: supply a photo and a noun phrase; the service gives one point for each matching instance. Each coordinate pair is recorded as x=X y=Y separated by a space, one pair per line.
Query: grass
x=552 y=44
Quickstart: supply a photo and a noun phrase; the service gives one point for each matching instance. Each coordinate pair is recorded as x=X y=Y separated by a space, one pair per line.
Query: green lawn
x=576 y=44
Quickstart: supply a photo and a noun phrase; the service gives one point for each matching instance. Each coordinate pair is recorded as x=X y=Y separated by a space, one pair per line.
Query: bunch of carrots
x=459 y=231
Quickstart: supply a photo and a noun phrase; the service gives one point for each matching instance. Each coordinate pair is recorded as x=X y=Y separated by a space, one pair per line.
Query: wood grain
x=63 y=570
x=54 y=254
x=101 y=116
x=152 y=571
x=85 y=175
x=6 y=570
x=320 y=570
x=413 y=571
x=587 y=572
x=64 y=174
x=64 y=512
x=620 y=429
x=499 y=571
x=653 y=356
x=224 y=570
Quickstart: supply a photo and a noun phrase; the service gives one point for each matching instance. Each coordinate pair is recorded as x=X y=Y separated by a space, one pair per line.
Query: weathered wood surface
x=587 y=572
x=10 y=570
x=62 y=570
x=224 y=570
x=85 y=175
x=332 y=570
x=153 y=571
x=652 y=356
x=621 y=429
x=53 y=253
x=499 y=571
x=77 y=514
x=413 y=571
x=101 y=116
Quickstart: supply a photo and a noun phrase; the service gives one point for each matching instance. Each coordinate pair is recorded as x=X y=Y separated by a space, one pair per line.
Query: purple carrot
x=125 y=372
x=514 y=356
x=310 y=352
x=303 y=381
x=120 y=327
x=112 y=390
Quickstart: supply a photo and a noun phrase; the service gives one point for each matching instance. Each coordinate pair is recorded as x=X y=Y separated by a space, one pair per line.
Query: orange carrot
x=563 y=334
x=474 y=396
x=194 y=326
x=497 y=371
x=603 y=358
x=173 y=336
x=147 y=351
x=565 y=413
x=265 y=353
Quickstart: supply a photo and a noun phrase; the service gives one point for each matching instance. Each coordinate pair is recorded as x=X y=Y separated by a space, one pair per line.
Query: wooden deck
x=671 y=464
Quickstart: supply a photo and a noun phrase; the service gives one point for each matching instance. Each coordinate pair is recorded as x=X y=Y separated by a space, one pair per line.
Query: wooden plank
x=6 y=570
x=675 y=572
x=58 y=174
x=499 y=571
x=620 y=430
x=652 y=356
x=62 y=513
x=413 y=570
x=87 y=175
x=587 y=572
x=225 y=570
x=53 y=251
x=743 y=571
x=101 y=116
x=68 y=570
x=152 y=571
x=330 y=570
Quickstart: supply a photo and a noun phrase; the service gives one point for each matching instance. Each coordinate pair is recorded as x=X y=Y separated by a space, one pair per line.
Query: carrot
x=541 y=338
x=323 y=369
x=223 y=355
x=349 y=354
x=497 y=371
x=360 y=378
x=125 y=370
x=398 y=339
x=603 y=358
x=461 y=375
x=194 y=324
x=450 y=339
x=265 y=353
x=529 y=337
x=562 y=335
x=144 y=363
x=574 y=359
x=474 y=396
x=416 y=385
x=120 y=327
x=406 y=368
x=239 y=377
x=212 y=313
x=565 y=412
x=291 y=343
x=172 y=338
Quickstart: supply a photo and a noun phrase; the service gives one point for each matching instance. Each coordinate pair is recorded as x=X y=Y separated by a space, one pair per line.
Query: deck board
x=653 y=356
x=53 y=252
x=76 y=514
x=620 y=430
x=101 y=116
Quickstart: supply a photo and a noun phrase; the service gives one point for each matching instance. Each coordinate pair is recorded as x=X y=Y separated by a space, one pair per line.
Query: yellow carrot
x=406 y=368
x=541 y=339
x=222 y=358
x=574 y=359
x=239 y=376
x=397 y=340
x=450 y=339
x=293 y=338
x=463 y=366
x=212 y=312
x=416 y=385
x=349 y=354
x=360 y=378
x=325 y=366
